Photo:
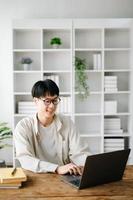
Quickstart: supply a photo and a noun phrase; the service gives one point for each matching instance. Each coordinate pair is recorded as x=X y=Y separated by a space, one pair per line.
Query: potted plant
x=55 y=42
x=81 y=78
x=26 y=62
x=5 y=133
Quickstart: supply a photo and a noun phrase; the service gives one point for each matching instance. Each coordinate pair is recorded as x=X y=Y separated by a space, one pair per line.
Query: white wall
x=15 y=9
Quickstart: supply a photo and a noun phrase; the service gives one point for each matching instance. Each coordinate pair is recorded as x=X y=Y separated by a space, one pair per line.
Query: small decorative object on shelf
x=55 y=42
x=81 y=78
x=2 y=163
x=5 y=133
x=26 y=63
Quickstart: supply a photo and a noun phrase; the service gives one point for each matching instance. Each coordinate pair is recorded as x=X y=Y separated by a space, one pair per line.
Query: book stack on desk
x=12 y=177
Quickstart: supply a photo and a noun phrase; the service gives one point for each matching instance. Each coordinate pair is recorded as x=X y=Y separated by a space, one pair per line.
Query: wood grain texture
x=50 y=186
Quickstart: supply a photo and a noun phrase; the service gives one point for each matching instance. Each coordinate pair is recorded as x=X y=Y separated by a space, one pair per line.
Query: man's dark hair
x=45 y=87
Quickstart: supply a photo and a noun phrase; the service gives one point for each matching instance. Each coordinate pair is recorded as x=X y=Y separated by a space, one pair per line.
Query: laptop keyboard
x=75 y=182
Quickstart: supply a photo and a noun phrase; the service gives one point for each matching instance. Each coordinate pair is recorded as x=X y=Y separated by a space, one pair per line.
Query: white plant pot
x=55 y=46
x=27 y=67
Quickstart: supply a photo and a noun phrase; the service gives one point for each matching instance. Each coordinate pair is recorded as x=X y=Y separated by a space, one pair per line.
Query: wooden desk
x=50 y=186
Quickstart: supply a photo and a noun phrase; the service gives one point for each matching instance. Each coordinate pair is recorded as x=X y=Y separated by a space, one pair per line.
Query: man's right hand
x=69 y=168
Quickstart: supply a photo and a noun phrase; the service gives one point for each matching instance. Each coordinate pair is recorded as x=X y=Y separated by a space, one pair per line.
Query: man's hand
x=69 y=168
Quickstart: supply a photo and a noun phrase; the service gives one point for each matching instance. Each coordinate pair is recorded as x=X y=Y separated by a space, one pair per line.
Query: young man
x=48 y=142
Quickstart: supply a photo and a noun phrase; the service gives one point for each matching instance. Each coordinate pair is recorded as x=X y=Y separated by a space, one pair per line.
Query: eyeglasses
x=47 y=102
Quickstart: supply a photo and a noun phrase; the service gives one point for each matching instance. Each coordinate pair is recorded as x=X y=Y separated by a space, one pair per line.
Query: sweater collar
x=57 y=119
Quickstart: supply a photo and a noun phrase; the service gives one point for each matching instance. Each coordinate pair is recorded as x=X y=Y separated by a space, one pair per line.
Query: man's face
x=47 y=105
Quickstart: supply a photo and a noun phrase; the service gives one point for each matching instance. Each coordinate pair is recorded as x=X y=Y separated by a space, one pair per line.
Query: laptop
x=100 y=169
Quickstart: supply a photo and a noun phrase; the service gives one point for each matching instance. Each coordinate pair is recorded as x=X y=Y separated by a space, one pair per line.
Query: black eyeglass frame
x=55 y=101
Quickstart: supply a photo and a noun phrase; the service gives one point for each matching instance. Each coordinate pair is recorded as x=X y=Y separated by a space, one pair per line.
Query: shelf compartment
x=64 y=35
x=117 y=38
x=23 y=39
x=18 y=98
x=115 y=143
x=85 y=125
x=116 y=60
x=90 y=105
x=93 y=144
x=63 y=81
x=89 y=57
x=25 y=81
x=123 y=83
x=124 y=125
x=88 y=38
x=94 y=82
x=121 y=99
x=57 y=61
x=35 y=56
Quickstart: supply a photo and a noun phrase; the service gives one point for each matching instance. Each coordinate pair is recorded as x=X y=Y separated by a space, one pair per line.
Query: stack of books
x=110 y=84
x=53 y=77
x=97 y=61
x=12 y=177
x=113 y=144
x=112 y=126
x=64 y=105
x=26 y=107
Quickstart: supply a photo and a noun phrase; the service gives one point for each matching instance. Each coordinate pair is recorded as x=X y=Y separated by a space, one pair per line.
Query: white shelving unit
x=110 y=39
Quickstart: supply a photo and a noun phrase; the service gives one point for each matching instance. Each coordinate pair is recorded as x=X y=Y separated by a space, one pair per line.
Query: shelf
x=22 y=93
x=83 y=39
x=56 y=71
x=26 y=72
x=117 y=49
x=56 y=50
x=29 y=93
x=118 y=114
x=88 y=49
x=26 y=50
x=118 y=92
x=117 y=70
x=117 y=135
x=87 y=114
x=89 y=135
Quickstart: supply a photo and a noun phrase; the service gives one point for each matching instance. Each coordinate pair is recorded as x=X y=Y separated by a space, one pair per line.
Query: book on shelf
x=112 y=124
x=65 y=105
x=112 y=149
x=110 y=84
x=110 y=89
x=97 y=61
x=26 y=107
x=110 y=78
x=114 y=131
x=114 y=140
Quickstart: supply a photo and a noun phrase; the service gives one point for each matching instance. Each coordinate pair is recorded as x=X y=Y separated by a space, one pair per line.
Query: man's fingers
x=70 y=171
x=79 y=170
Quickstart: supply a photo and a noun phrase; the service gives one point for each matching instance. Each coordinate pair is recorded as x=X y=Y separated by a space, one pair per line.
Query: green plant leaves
x=5 y=133
x=81 y=78
x=55 y=40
